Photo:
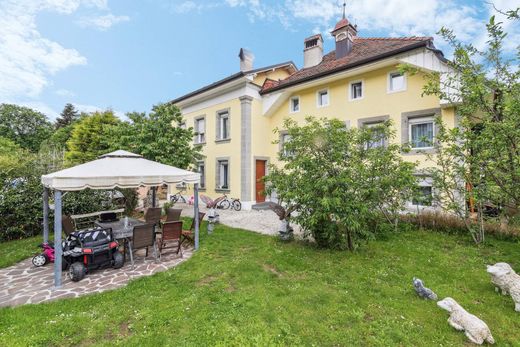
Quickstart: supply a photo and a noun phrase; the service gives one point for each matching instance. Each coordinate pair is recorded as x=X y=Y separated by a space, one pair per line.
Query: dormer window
x=323 y=98
x=294 y=104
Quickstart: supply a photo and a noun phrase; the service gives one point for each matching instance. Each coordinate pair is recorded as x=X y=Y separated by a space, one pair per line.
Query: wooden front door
x=260 y=186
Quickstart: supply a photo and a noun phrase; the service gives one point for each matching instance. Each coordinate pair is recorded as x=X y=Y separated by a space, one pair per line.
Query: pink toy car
x=46 y=256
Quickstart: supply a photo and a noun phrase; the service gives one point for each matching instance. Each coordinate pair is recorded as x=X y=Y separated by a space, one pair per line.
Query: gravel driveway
x=263 y=222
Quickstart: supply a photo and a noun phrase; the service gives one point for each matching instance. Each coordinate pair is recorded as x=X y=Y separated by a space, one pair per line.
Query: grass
x=15 y=251
x=243 y=288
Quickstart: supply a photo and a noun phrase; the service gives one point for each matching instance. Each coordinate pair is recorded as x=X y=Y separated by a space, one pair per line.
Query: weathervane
x=344 y=6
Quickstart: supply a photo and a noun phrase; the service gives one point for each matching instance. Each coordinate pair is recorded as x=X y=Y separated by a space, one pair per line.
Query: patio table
x=118 y=227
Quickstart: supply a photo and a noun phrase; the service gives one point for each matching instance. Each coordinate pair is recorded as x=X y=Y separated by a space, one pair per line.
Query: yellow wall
x=376 y=102
x=213 y=150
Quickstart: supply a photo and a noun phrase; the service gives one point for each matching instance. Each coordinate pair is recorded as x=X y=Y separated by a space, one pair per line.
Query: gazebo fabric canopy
x=118 y=169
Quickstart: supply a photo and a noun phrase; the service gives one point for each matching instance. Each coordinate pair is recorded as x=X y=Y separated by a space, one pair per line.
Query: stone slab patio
x=23 y=283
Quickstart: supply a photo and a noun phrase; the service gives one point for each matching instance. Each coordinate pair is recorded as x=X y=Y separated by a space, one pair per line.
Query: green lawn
x=15 y=251
x=243 y=288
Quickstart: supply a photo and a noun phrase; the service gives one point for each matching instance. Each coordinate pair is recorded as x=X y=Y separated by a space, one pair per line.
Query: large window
x=294 y=104
x=200 y=130
x=421 y=132
x=423 y=196
x=201 y=168
x=323 y=98
x=284 y=139
x=377 y=135
x=356 y=90
x=223 y=125
x=396 y=82
x=223 y=174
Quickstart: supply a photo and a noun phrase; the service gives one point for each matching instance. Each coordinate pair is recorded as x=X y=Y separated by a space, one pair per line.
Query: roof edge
x=230 y=79
x=420 y=44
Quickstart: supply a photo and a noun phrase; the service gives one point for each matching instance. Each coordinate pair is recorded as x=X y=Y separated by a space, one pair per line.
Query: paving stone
x=24 y=283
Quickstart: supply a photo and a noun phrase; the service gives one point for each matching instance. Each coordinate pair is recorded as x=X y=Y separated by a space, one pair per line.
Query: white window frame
x=291 y=110
x=416 y=121
x=199 y=136
x=425 y=181
x=389 y=82
x=283 y=135
x=220 y=126
x=350 y=94
x=202 y=184
x=219 y=187
x=318 y=94
x=382 y=139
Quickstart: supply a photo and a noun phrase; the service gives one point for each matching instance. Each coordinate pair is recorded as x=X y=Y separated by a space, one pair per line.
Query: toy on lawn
x=475 y=329
x=507 y=280
x=422 y=291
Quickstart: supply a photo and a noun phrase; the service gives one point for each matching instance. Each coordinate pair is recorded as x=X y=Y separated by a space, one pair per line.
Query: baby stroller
x=91 y=249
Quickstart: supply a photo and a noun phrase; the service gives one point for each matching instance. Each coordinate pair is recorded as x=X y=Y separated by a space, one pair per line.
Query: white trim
x=416 y=121
x=220 y=96
x=362 y=81
x=389 y=82
x=291 y=105
x=318 y=97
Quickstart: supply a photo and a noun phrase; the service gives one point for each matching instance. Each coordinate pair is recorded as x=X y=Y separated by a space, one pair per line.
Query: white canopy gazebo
x=117 y=169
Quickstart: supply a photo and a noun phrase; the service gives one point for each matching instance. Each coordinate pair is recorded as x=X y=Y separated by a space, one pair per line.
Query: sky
x=128 y=55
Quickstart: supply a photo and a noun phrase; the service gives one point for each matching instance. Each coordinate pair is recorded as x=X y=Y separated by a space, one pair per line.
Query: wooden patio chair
x=173 y=214
x=143 y=236
x=171 y=232
x=152 y=215
x=68 y=225
x=187 y=235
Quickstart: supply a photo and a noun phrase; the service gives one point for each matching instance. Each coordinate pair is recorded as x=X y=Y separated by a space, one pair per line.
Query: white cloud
x=192 y=6
x=26 y=57
x=65 y=93
x=104 y=22
x=393 y=17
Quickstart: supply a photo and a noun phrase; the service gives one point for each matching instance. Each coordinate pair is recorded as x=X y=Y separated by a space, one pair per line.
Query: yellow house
x=358 y=82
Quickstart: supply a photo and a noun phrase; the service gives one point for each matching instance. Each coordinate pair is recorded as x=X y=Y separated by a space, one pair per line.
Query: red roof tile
x=342 y=23
x=364 y=50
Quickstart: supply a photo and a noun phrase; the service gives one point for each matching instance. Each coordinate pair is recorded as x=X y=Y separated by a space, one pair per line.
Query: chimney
x=246 y=60
x=344 y=34
x=312 y=51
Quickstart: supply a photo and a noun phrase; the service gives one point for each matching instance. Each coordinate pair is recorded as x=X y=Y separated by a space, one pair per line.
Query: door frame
x=267 y=162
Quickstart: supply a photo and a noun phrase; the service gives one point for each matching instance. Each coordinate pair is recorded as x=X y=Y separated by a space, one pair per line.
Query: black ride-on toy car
x=92 y=249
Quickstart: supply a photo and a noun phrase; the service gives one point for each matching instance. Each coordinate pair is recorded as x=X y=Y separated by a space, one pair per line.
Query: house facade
x=359 y=83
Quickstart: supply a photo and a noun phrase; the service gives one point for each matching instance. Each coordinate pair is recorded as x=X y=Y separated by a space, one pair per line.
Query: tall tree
x=26 y=127
x=90 y=137
x=478 y=161
x=68 y=116
x=341 y=183
x=157 y=136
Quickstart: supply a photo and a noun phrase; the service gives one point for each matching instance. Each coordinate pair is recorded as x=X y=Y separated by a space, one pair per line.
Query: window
x=378 y=138
x=356 y=90
x=200 y=130
x=223 y=174
x=396 y=82
x=294 y=105
x=285 y=138
x=223 y=125
x=201 y=168
x=323 y=98
x=424 y=196
x=421 y=132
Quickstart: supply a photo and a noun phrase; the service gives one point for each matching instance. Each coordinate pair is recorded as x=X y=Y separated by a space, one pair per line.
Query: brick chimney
x=312 y=51
x=246 y=60
x=344 y=34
